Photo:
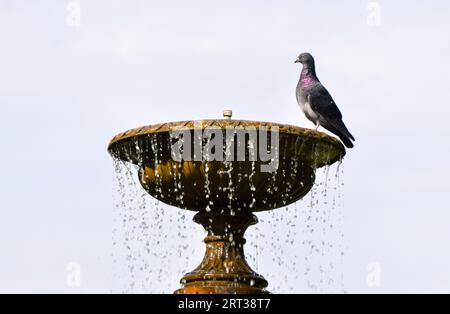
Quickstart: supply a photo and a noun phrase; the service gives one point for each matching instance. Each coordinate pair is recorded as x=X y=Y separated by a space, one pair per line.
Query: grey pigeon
x=317 y=103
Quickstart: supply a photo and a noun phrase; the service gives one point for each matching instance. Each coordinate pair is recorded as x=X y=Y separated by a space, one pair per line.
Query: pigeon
x=317 y=103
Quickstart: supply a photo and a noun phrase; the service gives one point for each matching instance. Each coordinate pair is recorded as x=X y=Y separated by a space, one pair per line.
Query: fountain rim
x=221 y=123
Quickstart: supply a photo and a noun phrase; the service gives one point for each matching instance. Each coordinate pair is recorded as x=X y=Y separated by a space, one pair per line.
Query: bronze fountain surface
x=225 y=193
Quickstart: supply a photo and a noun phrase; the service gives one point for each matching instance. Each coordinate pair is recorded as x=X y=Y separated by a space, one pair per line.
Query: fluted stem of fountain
x=224 y=268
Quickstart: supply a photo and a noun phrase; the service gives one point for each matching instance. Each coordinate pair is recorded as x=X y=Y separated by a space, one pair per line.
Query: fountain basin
x=196 y=185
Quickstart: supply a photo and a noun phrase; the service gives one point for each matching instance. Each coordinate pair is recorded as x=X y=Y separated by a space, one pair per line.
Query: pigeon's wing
x=322 y=103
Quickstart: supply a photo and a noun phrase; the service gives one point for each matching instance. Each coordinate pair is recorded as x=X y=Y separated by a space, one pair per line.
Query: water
x=154 y=244
x=297 y=248
x=301 y=247
x=323 y=239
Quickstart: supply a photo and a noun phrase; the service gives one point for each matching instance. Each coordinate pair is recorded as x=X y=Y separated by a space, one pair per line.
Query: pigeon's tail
x=340 y=126
x=346 y=137
x=347 y=142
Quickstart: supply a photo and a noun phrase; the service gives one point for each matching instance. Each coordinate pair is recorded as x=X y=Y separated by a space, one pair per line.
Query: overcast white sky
x=65 y=91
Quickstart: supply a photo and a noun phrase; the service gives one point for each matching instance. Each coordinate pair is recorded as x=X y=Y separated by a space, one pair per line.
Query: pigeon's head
x=305 y=59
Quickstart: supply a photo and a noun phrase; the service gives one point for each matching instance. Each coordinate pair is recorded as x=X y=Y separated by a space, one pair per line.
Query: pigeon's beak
x=297 y=61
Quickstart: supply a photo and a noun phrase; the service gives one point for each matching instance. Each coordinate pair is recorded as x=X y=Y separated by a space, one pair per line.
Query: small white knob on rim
x=227 y=114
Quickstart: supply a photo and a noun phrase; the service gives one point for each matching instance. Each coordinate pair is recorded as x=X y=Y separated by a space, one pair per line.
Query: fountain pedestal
x=224 y=268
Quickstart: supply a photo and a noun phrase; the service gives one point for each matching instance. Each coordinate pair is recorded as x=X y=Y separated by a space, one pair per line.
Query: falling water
x=323 y=234
x=300 y=248
x=153 y=244
x=297 y=248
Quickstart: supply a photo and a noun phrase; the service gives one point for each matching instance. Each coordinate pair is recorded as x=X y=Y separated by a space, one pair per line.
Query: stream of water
x=297 y=248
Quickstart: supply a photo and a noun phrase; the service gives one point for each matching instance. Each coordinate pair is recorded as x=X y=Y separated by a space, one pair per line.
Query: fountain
x=225 y=192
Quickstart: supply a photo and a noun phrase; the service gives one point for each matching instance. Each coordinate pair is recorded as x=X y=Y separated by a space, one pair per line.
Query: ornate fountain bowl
x=196 y=185
x=225 y=191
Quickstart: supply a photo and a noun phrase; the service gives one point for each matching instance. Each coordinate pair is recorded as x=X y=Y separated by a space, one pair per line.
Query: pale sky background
x=65 y=91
